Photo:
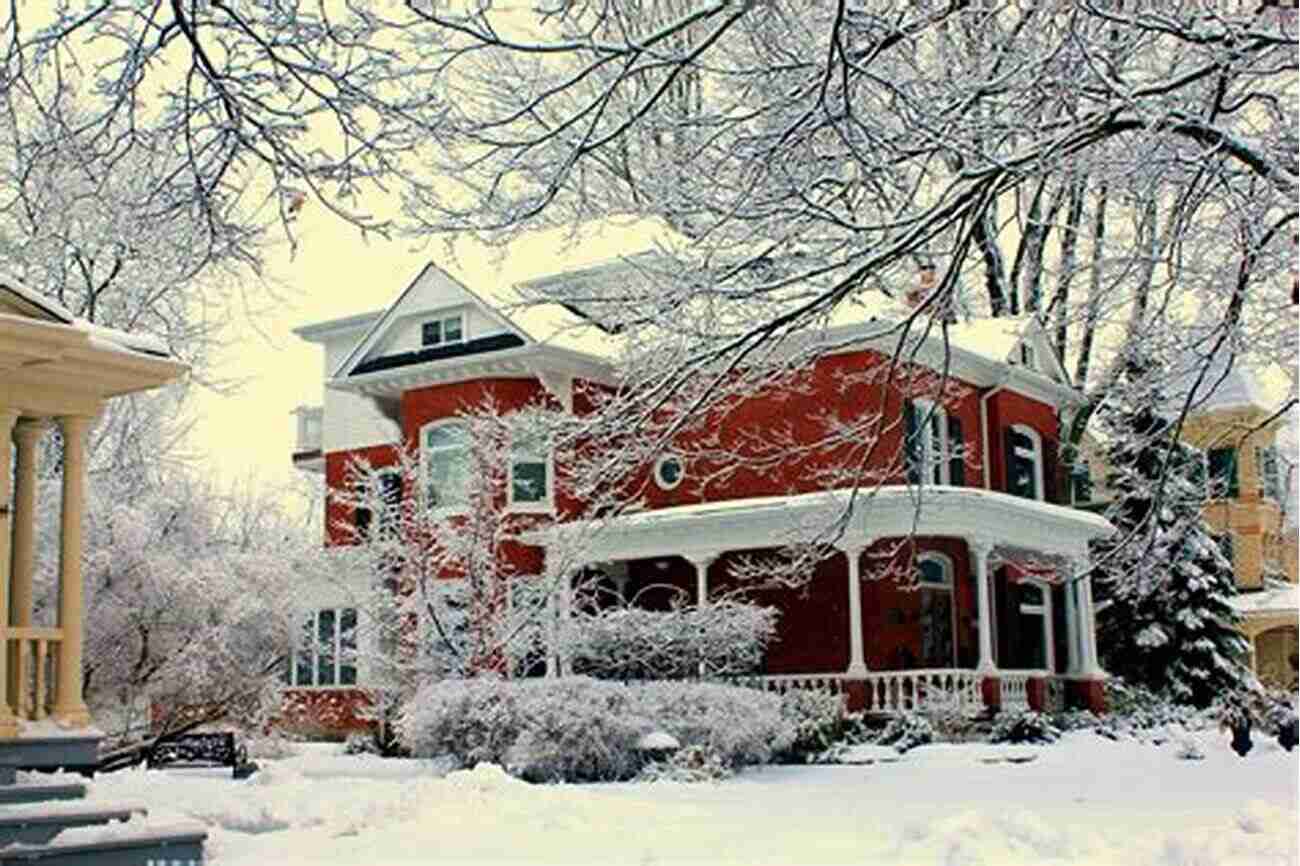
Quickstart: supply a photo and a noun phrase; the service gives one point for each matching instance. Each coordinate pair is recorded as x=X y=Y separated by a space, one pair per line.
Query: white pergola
x=55 y=370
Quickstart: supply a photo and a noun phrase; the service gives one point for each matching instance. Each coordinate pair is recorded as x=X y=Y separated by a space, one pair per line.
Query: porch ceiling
x=885 y=512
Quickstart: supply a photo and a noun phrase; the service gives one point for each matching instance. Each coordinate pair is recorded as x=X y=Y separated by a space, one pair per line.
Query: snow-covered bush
x=475 y=720
x=906 y=731
x=726 y=637
x=580 y=729
x=692 y=764
x=1024 y=727
x=739 y=725
x=576 y=730
x=818 y=719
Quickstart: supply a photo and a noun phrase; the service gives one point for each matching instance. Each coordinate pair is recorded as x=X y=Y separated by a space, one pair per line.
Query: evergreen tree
x=1171 y=626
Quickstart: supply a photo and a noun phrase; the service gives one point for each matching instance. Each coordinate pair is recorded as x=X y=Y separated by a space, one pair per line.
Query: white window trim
x=358 y=680
x=456 y=508
x=442 y=319
x=936 y=468
x=949 y=582
x=546 y=505
x=1040 y=493
x=658 y=472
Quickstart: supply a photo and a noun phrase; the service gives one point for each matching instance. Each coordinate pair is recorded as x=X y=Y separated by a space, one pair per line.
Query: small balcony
x=307 y=453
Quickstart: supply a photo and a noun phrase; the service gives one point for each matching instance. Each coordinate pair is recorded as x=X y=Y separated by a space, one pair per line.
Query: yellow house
x=1251 y=453
x=1252 y=460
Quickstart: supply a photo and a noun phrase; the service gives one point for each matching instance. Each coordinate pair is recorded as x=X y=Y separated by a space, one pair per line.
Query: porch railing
x=937 y=690
x=33 y=665
x=1014 y=689
x=782 y=683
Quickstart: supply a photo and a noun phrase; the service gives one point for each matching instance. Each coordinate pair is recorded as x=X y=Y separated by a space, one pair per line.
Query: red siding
x=338 y=515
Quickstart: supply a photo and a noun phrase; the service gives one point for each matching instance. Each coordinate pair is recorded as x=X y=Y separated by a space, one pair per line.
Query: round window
x=669 y=471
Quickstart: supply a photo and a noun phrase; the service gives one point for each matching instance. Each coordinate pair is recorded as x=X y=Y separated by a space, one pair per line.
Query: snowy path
x=1083 y=801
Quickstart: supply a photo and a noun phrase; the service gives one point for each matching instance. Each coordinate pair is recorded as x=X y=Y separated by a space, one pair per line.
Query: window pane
x=305 y=675
x=933 y=572
x=451 y=330
x=348 y=644
x=528 y=481
x=1031 y=594
x=325 y=649
x=446 y=465
x=431 y=333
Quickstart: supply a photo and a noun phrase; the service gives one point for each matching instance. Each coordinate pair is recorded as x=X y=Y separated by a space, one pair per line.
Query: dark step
x=40 y=792
x=112 y=846
x=40 y=822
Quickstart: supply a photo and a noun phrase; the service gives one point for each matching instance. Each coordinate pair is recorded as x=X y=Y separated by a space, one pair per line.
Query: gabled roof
x=1229 y=381
x=434 y=289
x=1000 y=340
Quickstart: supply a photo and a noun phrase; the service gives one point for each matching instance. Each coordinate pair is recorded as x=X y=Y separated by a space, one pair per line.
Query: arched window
x=1024 y=462
x=935 y=444
x=444 y=458
x=1035 y=627
x=938 y=630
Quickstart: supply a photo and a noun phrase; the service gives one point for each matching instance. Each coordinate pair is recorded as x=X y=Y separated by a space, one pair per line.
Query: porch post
x=69 y=707
x=8 y=723
x=27 y=436
x=857 y=654
x=558 y=605
x=980 y=549
x=701 y=561
x=1089 y=623
x=1071 y=625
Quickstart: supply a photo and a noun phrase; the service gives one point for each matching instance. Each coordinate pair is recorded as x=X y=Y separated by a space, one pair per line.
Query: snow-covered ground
x=1085 y=800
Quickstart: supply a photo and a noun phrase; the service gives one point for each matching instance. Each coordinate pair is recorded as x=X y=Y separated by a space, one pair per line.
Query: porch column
x=1088 y=621
x=1071 y=624
x=981 y=549
x=701 y=561
x=27 y=436
x=8 y=724
x=69 y=708
x=857 y=653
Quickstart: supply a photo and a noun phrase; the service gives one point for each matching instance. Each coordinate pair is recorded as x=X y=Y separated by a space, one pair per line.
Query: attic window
x=1027 y=355
x=440 y=332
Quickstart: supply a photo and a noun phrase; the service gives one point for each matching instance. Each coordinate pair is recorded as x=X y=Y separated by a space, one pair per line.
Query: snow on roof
x=994 y=339
x=100 y=335
x=1229 y=381
x=14 y=285
x=1276 y=597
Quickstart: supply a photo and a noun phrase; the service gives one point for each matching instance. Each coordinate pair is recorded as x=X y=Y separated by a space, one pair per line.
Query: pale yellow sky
x=249 y=435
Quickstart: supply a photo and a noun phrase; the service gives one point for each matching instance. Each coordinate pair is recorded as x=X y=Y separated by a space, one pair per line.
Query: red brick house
x=985 y=623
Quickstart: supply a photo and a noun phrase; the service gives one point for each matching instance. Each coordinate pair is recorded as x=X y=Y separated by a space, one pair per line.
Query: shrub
x=906 y=731
x=576 y=730
x=692 y=764
x=818 y=721
x=728 y=638
x=1023 y=727
x=739 y=725
x=473 y=721
x=579 y=729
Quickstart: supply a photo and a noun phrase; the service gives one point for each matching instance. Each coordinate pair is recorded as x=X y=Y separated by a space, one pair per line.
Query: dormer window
x=440 y=332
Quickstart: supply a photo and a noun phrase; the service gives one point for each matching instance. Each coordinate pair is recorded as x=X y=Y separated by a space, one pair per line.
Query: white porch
x=992 y=526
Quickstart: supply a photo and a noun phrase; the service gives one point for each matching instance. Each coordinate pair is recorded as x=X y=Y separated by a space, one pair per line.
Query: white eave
x=321 y=331
x=886 y=512
x=528 y=361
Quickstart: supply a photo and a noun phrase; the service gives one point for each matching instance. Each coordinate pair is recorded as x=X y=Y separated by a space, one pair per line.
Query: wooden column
x=8 y=722
x=69 y=707
x=27 y=436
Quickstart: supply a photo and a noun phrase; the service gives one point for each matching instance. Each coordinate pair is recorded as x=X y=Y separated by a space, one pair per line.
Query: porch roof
x=884 y=512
